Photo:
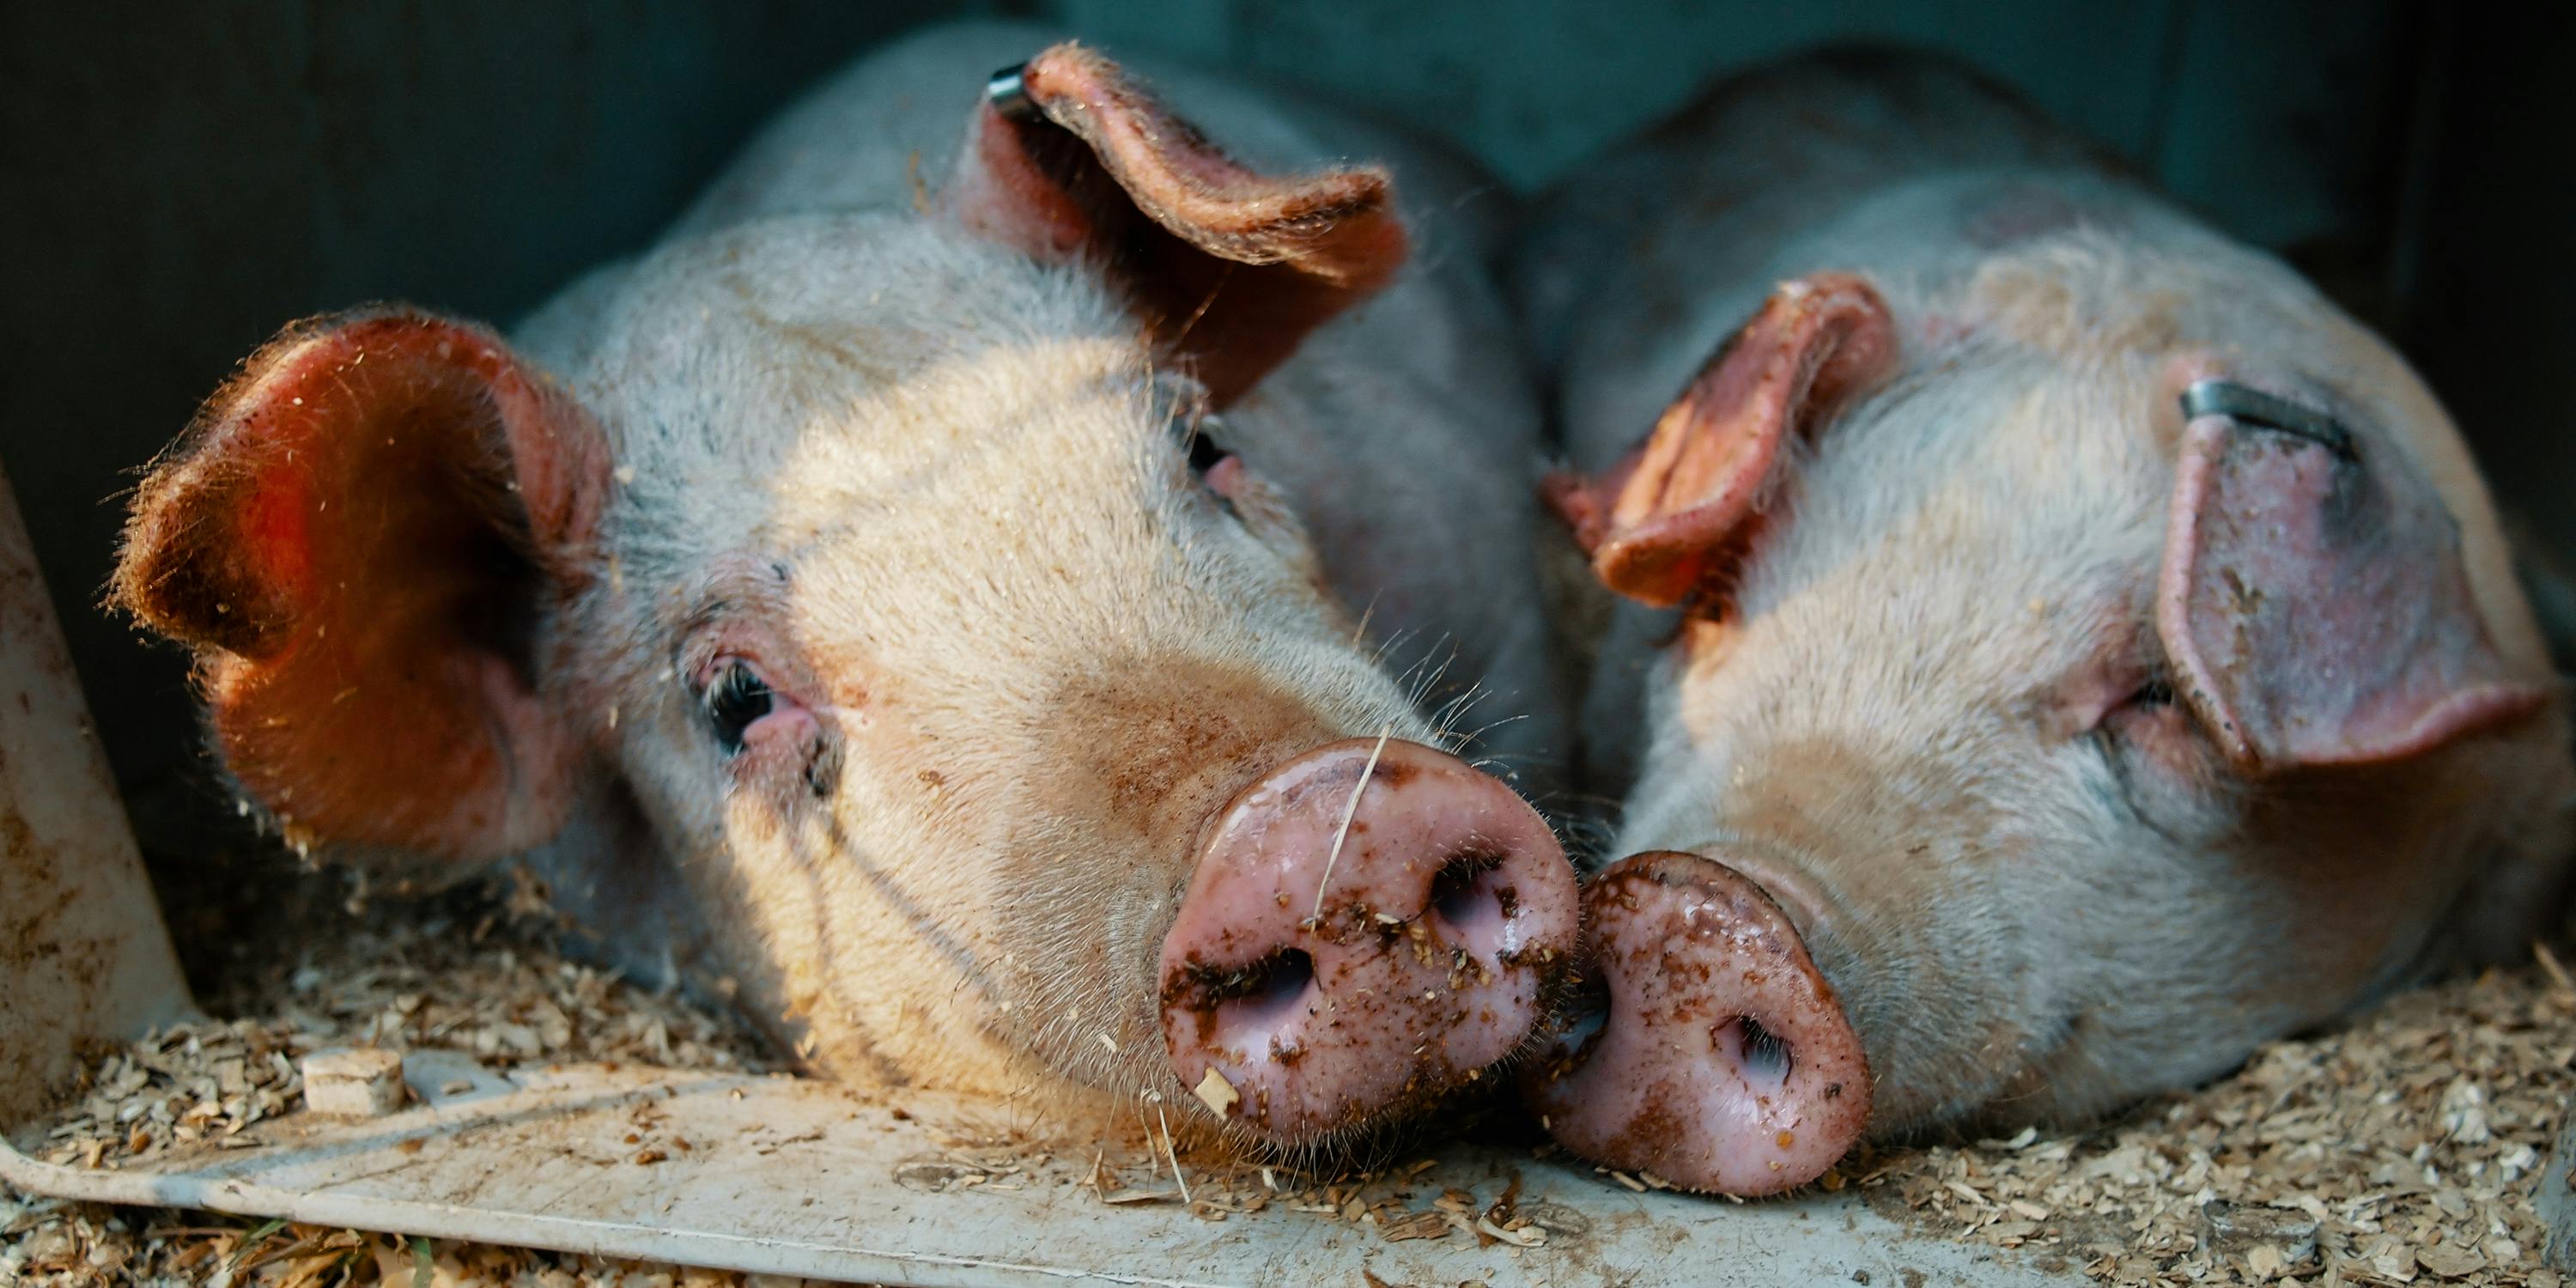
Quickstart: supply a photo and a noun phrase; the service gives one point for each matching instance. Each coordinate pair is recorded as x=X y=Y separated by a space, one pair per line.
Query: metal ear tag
x=1008 y=92
x=2255 y=407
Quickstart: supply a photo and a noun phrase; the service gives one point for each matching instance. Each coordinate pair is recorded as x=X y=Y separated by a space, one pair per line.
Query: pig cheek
x=1697 y=664
x=1705 y=645
x=1266 y=514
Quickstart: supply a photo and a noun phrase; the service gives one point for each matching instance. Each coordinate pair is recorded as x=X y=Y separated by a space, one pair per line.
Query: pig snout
x=1370 y=924
x=1705 y=1047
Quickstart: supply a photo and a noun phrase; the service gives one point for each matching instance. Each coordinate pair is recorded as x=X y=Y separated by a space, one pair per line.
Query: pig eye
x=1198 y=435
x=736 y=701
x=2161 y=766
x=1205 y=455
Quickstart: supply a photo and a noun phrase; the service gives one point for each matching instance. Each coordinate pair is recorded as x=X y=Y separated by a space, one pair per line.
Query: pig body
x=847 y=598
x=1954 y=637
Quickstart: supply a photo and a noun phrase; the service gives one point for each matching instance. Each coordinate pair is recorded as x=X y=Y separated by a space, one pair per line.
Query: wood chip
x=1216 y=1093
x=2404 y=1148
x=2449 y=1261
x=1415 y=1225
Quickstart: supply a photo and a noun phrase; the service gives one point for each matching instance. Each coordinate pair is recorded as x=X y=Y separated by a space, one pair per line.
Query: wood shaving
x=2404 y=1149
x=462 y=972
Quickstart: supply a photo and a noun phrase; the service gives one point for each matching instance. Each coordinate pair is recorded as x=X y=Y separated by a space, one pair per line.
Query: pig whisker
x=1420 y=691
x=1456 y=709
x=1349 y=812
x=1478 y=733
x=1377 y=656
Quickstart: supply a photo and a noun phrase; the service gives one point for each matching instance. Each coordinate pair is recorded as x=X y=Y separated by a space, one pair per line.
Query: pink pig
x=939 y=591
x=2065 y=650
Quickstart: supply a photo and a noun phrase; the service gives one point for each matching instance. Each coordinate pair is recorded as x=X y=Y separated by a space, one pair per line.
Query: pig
x=939 y=595
x=2055 y=649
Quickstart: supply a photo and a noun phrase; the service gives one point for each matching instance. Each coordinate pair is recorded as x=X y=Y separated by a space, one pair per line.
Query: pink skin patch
x=1227 y=478
x=1320 y=975
x=1714 y=1054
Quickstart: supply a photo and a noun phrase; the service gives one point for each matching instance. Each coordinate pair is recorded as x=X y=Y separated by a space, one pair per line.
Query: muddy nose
x=1370 y=924
x=1705 y=1047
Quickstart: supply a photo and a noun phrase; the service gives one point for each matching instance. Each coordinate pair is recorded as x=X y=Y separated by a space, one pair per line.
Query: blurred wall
x=2491 y=313
x=182 y=179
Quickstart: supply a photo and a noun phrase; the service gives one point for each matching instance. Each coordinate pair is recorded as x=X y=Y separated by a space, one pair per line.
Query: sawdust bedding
x=2405 y=1149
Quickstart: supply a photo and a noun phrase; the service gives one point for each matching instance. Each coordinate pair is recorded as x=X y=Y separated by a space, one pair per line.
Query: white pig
x=2066 y=650
x=852 y=597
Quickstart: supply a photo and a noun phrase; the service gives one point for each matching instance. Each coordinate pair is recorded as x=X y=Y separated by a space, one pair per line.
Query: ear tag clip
x=2254 y=407
x=1008 y=92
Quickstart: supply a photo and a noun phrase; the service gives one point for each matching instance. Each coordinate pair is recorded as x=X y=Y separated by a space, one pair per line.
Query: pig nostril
x=1463 y=894
x=1764 y=1054
x=1266 y=994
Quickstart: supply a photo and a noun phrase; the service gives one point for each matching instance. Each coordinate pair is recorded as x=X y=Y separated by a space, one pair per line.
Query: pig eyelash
x=735 y=700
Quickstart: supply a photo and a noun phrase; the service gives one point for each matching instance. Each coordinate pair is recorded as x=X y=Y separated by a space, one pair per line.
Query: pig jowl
x=856 y=599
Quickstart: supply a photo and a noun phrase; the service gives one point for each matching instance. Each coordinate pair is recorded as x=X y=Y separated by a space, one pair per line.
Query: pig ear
x=1673 y=516
x=1226 y=267
x=2313 y=600
x=358 y=538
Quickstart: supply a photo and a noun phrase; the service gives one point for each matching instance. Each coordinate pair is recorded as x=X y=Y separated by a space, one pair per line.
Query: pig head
x=872 y=597
x=2079 y=660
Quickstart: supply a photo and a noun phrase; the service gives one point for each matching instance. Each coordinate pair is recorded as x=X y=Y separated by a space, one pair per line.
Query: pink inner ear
x=356 y=537
x=1673 y=516
x=1226 y=267
x=1004 y=193
x=2316 y=608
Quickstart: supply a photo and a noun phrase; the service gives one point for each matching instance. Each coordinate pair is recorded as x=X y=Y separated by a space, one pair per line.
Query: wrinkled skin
x=2085 y=746
x=828 y=603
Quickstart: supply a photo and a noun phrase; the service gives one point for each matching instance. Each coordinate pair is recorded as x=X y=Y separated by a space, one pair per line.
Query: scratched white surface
x=800 y=1178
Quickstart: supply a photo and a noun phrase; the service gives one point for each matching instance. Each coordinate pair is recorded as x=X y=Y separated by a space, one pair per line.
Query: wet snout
x=1705 y=1047
x=1370 y=924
